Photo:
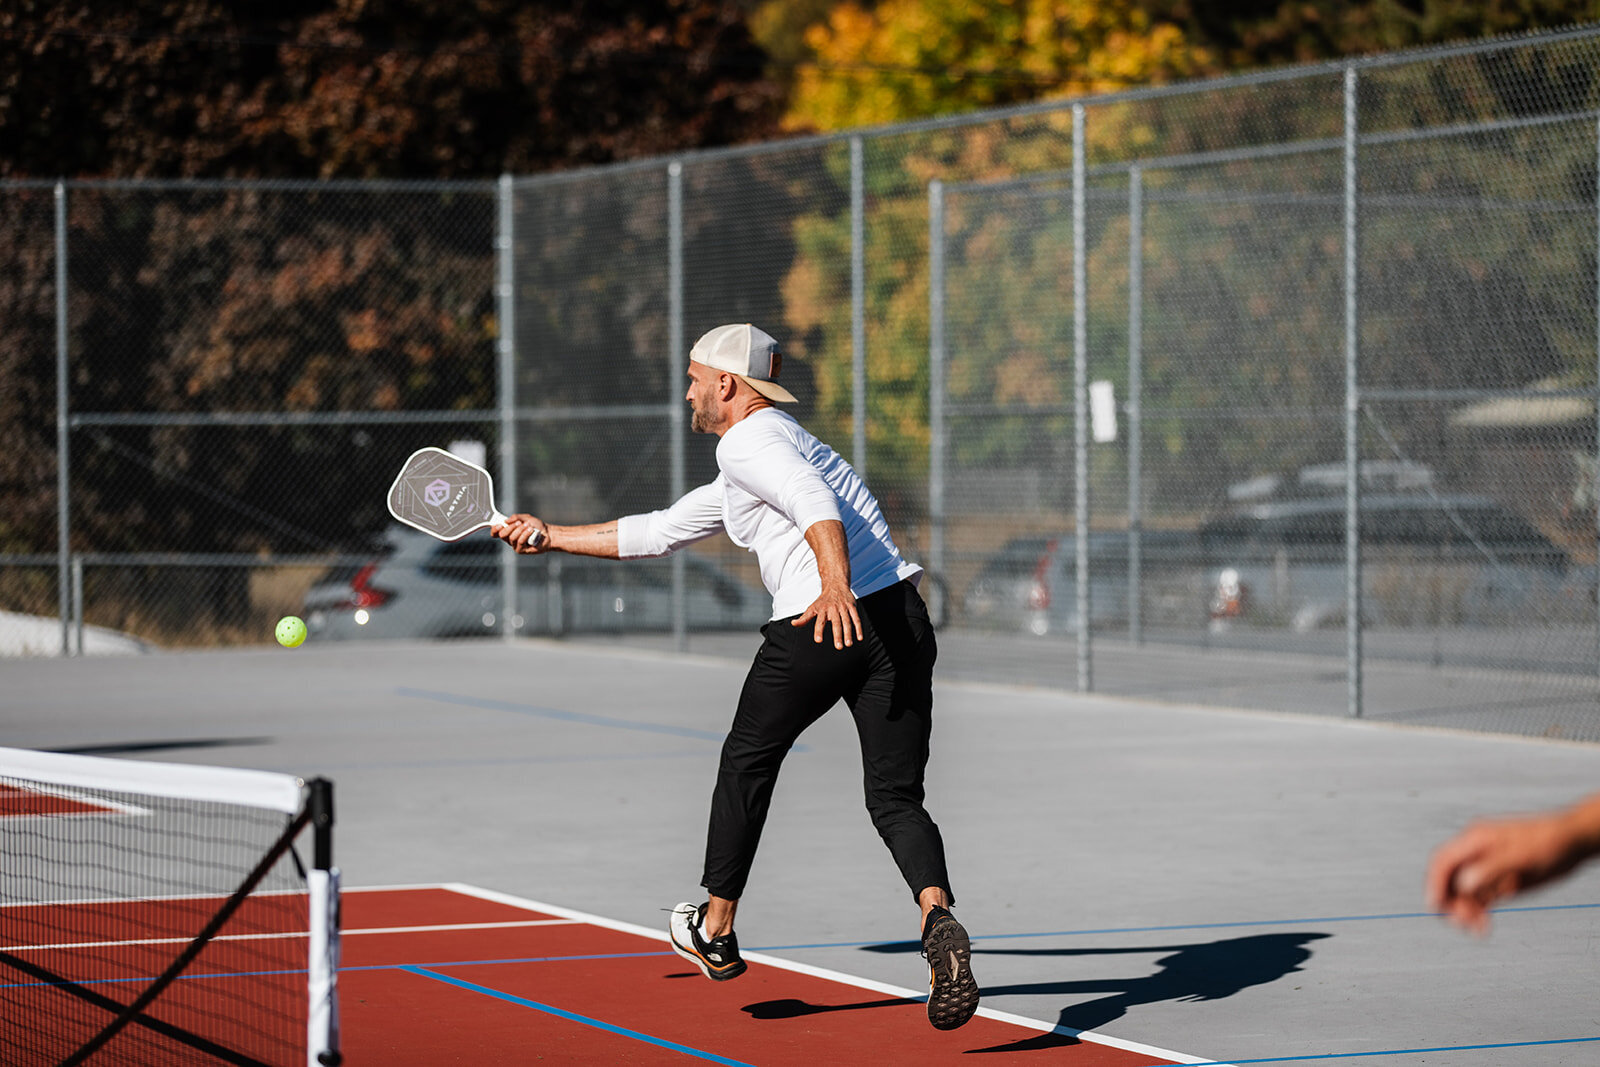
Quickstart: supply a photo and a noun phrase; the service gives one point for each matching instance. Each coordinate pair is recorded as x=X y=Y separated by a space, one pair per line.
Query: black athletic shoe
x=952 y=991
x=718 y=959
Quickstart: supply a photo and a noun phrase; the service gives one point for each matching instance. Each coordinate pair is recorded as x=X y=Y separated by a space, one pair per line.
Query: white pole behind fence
x=675 y=405
x=1352 y=408
x=936 y=372
x=1135 y=408
x=1080 y=394
x=506 y=310
x=858 y=307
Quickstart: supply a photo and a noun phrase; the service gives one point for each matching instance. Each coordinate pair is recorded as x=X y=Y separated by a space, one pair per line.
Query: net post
x=322 y=970
x=320 y=802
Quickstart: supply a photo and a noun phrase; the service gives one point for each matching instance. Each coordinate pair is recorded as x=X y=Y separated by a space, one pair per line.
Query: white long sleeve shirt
x=777 y=480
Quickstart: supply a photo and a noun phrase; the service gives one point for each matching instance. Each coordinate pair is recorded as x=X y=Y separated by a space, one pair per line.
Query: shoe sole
x=953 y=992
x=716 y=974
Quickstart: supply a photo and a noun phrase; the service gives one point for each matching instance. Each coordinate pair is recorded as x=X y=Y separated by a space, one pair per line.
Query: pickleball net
x=157 y=913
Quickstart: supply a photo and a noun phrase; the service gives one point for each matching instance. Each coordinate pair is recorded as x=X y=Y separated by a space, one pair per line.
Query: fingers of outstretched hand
x=1486 y=863
x=817 y=616
x=1439 y=884
x=846 y=625
x=1462 y=908
x=820 y=630
x=838 y=615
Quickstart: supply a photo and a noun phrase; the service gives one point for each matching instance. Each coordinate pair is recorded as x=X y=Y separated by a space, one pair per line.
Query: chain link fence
x=1273 y=391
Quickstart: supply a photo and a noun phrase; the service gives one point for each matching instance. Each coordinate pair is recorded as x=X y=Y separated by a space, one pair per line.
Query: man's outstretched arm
x=694 y=516
x=595 y=539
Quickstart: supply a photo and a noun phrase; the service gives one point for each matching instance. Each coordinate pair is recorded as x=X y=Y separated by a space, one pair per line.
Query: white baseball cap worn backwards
x=748 y=352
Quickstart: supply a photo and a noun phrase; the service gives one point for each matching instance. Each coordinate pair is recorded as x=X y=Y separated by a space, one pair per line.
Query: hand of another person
x=528 y=535
x=1497 y=858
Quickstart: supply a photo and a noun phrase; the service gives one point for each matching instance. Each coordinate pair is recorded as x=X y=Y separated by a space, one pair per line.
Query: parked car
x=1427 y=559
x=418 y=587
x=1031 y=584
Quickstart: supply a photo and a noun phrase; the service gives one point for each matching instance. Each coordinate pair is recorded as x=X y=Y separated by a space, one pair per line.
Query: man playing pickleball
x=847 y=624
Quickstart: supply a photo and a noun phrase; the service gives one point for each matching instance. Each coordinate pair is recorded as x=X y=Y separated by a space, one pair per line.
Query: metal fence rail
x=1346 y=316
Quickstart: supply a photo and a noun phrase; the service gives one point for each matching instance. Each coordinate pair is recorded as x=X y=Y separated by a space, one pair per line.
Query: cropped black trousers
x=886 y=679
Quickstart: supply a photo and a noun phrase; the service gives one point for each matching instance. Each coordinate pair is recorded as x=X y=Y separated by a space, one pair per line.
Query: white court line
x=214 y=896
x=160 y=898
x=286 y=934
x=830 y=975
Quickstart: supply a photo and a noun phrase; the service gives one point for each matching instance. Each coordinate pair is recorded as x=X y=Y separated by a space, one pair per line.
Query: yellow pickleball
x=291 y=631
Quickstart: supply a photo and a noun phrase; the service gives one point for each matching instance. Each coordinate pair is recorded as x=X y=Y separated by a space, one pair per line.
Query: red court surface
x=18 y=803
x=453 y=974
x=559 y=987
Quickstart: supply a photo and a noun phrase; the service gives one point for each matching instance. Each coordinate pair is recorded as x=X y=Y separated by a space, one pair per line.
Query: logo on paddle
x=436 y=492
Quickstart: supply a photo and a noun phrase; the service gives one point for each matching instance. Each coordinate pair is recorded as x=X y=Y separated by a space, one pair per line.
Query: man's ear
x=727 y=385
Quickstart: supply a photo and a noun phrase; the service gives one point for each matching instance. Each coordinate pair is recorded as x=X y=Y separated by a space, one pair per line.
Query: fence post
x=63 y=414
x=675 y=406
x=936 y=372
x=506 y=310
x=858 y=308
x=77 y=604
x=1080 y=393
x=1135 y=408
x=1596 y=486
x=1352 y=409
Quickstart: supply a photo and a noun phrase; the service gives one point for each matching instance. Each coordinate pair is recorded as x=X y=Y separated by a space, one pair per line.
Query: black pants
x=887 y=681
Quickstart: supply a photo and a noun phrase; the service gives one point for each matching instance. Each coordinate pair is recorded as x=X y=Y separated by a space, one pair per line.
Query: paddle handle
x=497 y=519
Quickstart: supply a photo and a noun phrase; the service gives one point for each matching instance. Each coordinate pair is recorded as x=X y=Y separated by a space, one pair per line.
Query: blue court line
x=572 y=1017
x=147 y=979
x=511 y=959
x=560 y=715
x=515 y=761
x=1183 y=926
x=557 y=714
x=869 y=944
x=1387 y=1052
x=422 y=972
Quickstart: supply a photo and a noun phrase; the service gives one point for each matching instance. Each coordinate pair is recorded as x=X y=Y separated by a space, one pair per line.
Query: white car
x=418 y=587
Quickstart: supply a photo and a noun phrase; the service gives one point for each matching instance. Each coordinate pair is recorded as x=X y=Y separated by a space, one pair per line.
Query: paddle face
x=443 y=495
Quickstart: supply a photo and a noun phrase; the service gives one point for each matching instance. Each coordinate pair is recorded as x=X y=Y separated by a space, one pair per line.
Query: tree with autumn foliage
x=902 y=59
x=862 y=62
x=369 y=88
x=1240 y=290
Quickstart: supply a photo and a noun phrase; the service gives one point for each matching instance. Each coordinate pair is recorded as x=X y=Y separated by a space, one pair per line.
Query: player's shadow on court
x=1209 y=971
x=790 y=1008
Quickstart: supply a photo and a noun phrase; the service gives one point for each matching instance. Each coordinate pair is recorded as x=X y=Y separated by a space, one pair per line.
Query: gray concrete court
x=1475 y=690
x=1235 y=885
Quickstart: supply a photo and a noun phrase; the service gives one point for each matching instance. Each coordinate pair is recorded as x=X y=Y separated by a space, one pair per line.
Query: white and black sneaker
x=718 y=959
x=952 y=991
